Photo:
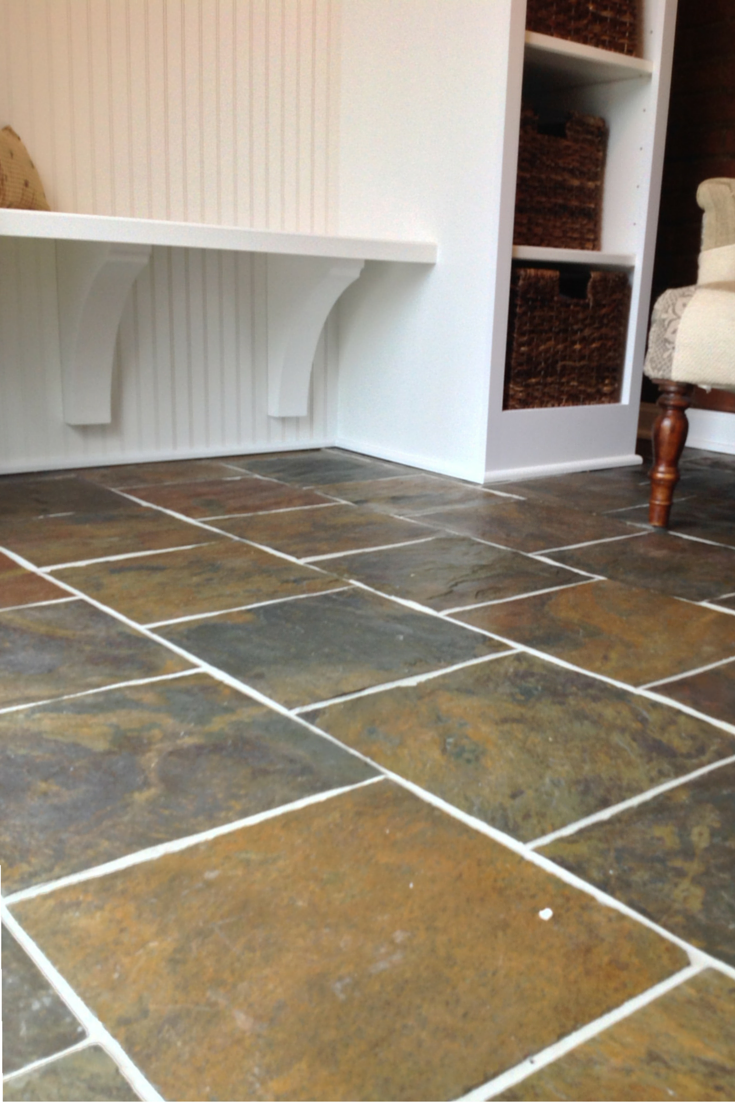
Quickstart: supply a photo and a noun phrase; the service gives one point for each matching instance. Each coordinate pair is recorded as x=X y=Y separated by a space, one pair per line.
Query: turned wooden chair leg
x=669 y=436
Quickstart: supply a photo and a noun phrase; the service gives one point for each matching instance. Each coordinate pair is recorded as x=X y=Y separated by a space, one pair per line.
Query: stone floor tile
x=680 y=1046
x=660 y=561
x=524 y=745
x=229 y=495
x=406 y=496
x=36 y=1023
x=97 y=777
x=71 y=647
x=43 y=496
x=220 y=575
x=89 y=1075
x=451 y=571
x=319 y=467
x=526 y=525
x=305 y=533
x=131 y=475
x=671 y=858
x=701 y=517
x=19 y=586
x=51 y=541
x=589 y=491
x=300 y=652
x=629 y=634
x=366 y=947
x=711 y=692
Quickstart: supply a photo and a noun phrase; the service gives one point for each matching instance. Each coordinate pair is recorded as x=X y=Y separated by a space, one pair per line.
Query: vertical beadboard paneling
x=221 y=111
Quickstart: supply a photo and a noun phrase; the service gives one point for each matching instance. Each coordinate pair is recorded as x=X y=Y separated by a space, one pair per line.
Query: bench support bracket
x=301 y=292
x=94 y=280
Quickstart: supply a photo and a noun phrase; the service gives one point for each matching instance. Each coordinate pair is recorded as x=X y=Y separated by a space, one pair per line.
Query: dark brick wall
x=701 y=134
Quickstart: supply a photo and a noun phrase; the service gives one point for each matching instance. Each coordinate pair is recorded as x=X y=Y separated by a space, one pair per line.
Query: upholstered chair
x=692 y=340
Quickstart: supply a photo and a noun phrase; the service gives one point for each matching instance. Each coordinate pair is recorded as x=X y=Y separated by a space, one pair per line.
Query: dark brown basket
x=560 y=177
x=609 y=24
x=566 y=343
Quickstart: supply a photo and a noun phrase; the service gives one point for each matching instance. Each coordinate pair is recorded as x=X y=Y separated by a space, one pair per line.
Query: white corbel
x=301 y=292
x=94 y=280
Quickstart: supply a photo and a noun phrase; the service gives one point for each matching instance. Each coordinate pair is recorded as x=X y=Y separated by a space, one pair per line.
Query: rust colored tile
x=590 y=491
x=660 y=561
x=131 y=475
x=36 y=1023
x=366 y=947
x=230 y=495
x=406 y=496
x=711 y=692
x=451 y=571
x=315 y=468
x=90 y=779
x=299 y=652
x=71 y=647
x=89 y=1075
x=632 y=635
x=670 y=858
x=51 y=541
x=24 y=497
x=19 y=586
x=217 y=576
x=680 y=1046
x=526 y=525
x=522 y=744
x=309 y=532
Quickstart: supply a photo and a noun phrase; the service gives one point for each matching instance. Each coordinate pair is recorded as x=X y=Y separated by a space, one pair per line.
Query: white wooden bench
x=98 y=259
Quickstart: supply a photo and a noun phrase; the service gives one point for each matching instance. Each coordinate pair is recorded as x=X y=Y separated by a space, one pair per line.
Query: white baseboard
x=103 y=460
x=512 y=474
x=711 y=430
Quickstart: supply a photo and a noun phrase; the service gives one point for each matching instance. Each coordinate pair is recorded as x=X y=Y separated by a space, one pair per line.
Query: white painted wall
x=195 y=110
x=423 y=101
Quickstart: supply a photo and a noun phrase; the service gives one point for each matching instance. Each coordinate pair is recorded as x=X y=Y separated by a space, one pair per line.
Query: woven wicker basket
x=609 y=24
x=559 y=184
x=565 y=349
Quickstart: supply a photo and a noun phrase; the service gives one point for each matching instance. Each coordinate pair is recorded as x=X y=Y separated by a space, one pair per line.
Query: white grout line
x=625 y=805
x=520 y=596
x=670 y=702
x=39 y=604
x=699 y=539
x=119 y=558
x=103 y=689
x=689 y=673
x=539 y=556
x=714 y=607
x=503 y=493
x=401 y=683
x=269 y=512
x=94 y=1027
x=244 y=608
x=558 y=871
x=589 y=543
x=46 y=1060
x=510 y=1078
x=177 y=845
x=212 y=530
x=365 y=550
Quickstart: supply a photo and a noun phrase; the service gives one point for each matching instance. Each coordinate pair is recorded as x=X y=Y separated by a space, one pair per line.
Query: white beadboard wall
x=222 y=111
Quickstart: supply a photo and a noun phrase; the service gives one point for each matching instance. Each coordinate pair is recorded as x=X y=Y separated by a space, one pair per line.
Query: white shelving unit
x=631 y=94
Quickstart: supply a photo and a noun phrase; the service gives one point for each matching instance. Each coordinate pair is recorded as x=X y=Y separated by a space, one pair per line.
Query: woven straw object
x=565 y=350
x=607 y=24
x=20 y=184
x=559 y=183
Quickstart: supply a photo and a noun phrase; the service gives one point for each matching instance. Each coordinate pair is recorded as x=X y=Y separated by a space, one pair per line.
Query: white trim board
x=59 y=226
x=711 y=430
x=511 y=474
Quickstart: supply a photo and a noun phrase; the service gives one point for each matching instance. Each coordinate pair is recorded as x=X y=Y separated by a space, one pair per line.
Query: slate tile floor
x=326 y=778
